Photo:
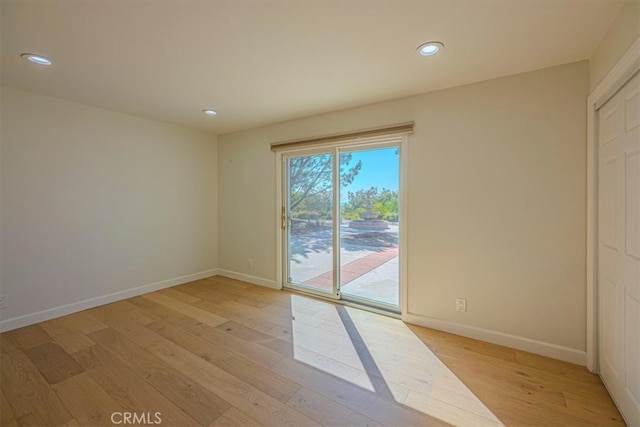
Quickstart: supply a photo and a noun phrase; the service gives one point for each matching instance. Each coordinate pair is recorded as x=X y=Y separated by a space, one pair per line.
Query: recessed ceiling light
x=209 y=112
x=429 y=49
x=36 y=59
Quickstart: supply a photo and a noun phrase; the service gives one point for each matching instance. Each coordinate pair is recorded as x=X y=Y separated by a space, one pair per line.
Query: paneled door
x=619 y=248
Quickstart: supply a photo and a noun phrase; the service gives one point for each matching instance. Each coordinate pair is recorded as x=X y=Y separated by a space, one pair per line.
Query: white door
x=619 y=248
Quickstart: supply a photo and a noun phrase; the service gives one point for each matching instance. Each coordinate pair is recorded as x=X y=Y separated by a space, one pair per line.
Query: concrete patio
x=367 y=272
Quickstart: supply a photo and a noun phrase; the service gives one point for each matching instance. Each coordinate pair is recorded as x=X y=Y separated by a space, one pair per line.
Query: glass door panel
x=308 y=223
x=369 y=228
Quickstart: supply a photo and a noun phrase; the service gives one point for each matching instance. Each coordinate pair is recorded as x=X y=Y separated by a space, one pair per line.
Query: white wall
x=624 y=31
x=496 y=204
x=96 y=202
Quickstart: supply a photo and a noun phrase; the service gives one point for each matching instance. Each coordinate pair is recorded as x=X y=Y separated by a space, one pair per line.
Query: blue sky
x=380 y=168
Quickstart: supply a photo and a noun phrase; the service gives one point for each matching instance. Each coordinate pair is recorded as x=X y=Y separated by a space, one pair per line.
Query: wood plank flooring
x=220 y=352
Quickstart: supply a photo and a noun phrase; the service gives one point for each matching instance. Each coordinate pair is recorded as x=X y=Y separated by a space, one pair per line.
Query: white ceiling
x=259 y=62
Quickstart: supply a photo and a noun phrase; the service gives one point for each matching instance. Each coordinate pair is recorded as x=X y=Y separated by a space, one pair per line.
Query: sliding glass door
x=340 y=223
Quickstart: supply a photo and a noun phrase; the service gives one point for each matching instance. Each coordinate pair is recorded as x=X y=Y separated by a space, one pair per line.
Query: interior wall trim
x=63 y=310
x=542 y=348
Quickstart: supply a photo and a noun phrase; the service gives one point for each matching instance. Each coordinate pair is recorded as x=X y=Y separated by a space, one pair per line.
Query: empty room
x=327 y=213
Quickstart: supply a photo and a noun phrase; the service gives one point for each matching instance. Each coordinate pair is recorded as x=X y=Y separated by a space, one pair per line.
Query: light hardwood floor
x=220 y=352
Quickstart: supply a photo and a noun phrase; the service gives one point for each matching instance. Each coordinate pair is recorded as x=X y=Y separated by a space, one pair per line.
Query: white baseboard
x=579 y=357
x=513 y=341
x=50 y=313
x=248 y=278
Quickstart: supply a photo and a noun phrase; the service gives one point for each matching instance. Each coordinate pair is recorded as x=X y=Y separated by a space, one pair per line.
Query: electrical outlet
x=4 y=301
x=250 y=262
x=461 y=304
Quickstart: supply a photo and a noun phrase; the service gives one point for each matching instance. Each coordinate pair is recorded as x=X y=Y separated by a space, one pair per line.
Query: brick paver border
x=351 y=271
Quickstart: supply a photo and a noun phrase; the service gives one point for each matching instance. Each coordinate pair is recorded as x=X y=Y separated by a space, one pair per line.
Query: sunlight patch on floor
x=324 y=349
x=347 y=343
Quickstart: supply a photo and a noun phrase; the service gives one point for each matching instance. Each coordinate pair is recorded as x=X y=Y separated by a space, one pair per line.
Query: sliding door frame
x=336 y=148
